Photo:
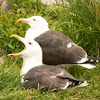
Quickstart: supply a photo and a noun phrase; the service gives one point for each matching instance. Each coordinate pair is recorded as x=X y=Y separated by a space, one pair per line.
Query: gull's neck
x=33 y=33
x=30 y=62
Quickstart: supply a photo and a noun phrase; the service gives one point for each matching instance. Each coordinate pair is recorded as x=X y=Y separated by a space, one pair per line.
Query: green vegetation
x=79 y=20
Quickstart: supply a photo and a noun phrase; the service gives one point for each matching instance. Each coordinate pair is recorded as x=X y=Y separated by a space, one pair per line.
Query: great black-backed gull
x=35 y=74
x=57 y=48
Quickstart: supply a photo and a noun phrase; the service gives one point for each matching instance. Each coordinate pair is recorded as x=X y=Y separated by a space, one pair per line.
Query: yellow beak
x=22 y=20
x=14 y=55
x=17 y=37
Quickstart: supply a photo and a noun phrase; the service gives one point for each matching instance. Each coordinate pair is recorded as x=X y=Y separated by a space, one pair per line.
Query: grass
x=10 y=87
x=79 y=20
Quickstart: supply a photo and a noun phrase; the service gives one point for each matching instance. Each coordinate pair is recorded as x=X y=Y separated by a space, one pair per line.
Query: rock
x=49 y=2
x=5 y=5
x=2 y=53
x=1 y=1
x=2 y=60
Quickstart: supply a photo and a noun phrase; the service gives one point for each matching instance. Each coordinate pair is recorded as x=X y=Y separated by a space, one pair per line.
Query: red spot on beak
x=13 y=57
x=19 y=21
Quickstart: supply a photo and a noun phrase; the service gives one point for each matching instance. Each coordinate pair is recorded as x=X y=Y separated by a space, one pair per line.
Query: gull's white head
x=32 y=55
x=32 y=49
x=35 y=22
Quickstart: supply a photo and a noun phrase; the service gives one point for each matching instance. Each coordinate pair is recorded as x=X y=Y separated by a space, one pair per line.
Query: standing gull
x=57 y=48
x=35 y=74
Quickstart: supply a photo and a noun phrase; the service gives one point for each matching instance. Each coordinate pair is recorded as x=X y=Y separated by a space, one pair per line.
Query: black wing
x=55 y=51
x=47 y=76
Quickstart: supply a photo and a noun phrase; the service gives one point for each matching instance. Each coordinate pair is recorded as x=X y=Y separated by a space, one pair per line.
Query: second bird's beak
x=14 y=55
x=17 y=37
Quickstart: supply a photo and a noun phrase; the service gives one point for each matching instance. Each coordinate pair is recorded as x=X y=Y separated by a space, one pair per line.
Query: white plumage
x=67 y=51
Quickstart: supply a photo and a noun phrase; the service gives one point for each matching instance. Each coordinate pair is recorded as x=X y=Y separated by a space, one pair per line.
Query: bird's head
x=35 y=22
x=32 y=48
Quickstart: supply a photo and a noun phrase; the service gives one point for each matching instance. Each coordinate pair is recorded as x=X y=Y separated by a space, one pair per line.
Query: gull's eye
x=34 y=19
x=30 y=43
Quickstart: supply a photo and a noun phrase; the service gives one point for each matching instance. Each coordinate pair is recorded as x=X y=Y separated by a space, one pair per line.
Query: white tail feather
x=89 y=66
x=83 y=84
